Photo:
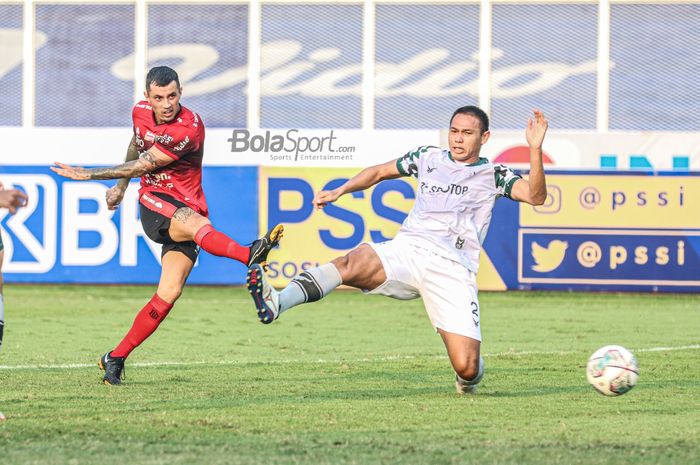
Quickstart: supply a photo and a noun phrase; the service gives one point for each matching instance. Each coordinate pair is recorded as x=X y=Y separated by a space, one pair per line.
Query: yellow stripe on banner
x=488 y=278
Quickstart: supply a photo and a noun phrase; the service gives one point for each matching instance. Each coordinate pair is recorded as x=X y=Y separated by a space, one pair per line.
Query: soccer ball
x=612 y=370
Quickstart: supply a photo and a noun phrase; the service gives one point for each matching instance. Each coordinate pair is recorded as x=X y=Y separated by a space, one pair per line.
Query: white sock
x=2 y=318
x=310 y=286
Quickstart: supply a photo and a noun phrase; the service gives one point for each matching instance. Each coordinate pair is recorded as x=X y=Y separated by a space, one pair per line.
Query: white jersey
x=453 y=204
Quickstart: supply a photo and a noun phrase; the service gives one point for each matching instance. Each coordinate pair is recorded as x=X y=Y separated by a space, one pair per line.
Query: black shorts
x=156 y=213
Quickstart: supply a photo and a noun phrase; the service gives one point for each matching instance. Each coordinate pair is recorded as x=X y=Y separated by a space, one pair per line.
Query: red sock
x=219 y=244
x=145 y=323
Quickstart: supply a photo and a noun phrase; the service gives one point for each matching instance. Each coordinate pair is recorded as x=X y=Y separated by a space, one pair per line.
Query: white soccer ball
x=612 y=370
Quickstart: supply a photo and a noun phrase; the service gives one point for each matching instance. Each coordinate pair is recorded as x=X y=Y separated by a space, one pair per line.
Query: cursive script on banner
x=430 y=73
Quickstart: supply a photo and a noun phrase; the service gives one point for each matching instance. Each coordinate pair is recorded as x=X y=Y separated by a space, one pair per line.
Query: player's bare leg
x=360 y=268
x=185 y=224
x=2 y=311
x=465 y=356
x=2 y=302
x=176 y=267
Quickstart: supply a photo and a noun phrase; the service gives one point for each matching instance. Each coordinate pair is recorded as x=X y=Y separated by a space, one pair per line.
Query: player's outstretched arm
x=147 y=162
x=366 y=178
x=534 y=190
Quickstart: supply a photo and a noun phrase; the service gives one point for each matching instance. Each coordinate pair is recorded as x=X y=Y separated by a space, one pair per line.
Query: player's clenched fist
x=114 y=196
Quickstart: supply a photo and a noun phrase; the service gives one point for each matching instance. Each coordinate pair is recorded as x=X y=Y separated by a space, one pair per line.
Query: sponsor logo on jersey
x=182 y=144
x=450 y=189
x=162 y=139
x=152 y=201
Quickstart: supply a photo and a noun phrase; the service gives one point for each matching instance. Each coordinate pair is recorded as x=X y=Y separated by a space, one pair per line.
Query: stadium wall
x=360 y=83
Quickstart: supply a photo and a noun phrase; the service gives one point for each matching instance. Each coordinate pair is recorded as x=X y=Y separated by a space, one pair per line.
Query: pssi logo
x=279 y=187
x=599 y=254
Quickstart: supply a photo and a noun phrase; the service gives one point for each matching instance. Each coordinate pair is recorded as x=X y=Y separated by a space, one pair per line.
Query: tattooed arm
x=147 y=162
x=115 y=194
x=132 y=153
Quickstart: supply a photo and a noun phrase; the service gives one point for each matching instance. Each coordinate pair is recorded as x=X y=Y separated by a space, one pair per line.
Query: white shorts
x=448 y=288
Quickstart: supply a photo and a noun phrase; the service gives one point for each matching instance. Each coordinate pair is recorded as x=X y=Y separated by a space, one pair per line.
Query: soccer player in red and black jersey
x=166 y=153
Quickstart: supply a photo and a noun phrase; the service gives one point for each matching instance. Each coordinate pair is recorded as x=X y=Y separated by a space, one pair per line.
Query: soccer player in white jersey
x=435 y=254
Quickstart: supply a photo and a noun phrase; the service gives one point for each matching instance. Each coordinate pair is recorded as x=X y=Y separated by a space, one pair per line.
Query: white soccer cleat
x=266 y=297
x=465 y=388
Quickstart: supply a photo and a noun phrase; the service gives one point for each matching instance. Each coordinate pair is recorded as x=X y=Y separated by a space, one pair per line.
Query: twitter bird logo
x=550 y=257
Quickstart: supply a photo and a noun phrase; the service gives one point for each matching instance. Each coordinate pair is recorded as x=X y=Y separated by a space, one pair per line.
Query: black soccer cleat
x=261 y=247
x=113 y=368
x=265 y=297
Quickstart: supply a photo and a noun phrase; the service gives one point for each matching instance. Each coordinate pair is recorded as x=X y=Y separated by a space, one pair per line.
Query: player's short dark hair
x=476 y=111
x=161 y=76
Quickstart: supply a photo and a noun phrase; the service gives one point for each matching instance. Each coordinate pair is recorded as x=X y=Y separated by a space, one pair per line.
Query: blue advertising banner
x=74 y=82
x=628 y=231
x=659 y=80
x=426 y=63
x=596 y=231
x=560 y=77
x=616 y=231
x=610 y=257
x=311 y=65
x=66 y=234
x=11 y=67
x=208 y=45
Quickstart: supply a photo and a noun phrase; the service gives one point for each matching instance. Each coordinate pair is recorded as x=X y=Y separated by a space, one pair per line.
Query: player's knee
x=356 y=262
x=472 y=370
x=342 y=264
x=169 y=292
x=468 y=373
x=350 y=266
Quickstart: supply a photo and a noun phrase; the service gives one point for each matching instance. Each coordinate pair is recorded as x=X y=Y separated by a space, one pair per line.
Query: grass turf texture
x=351 y=379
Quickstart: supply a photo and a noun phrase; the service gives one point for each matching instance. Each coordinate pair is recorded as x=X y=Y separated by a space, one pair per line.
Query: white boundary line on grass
x=322 y=361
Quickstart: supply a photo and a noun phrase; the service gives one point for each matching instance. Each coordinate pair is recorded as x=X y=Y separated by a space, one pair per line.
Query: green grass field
x=349 y=380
